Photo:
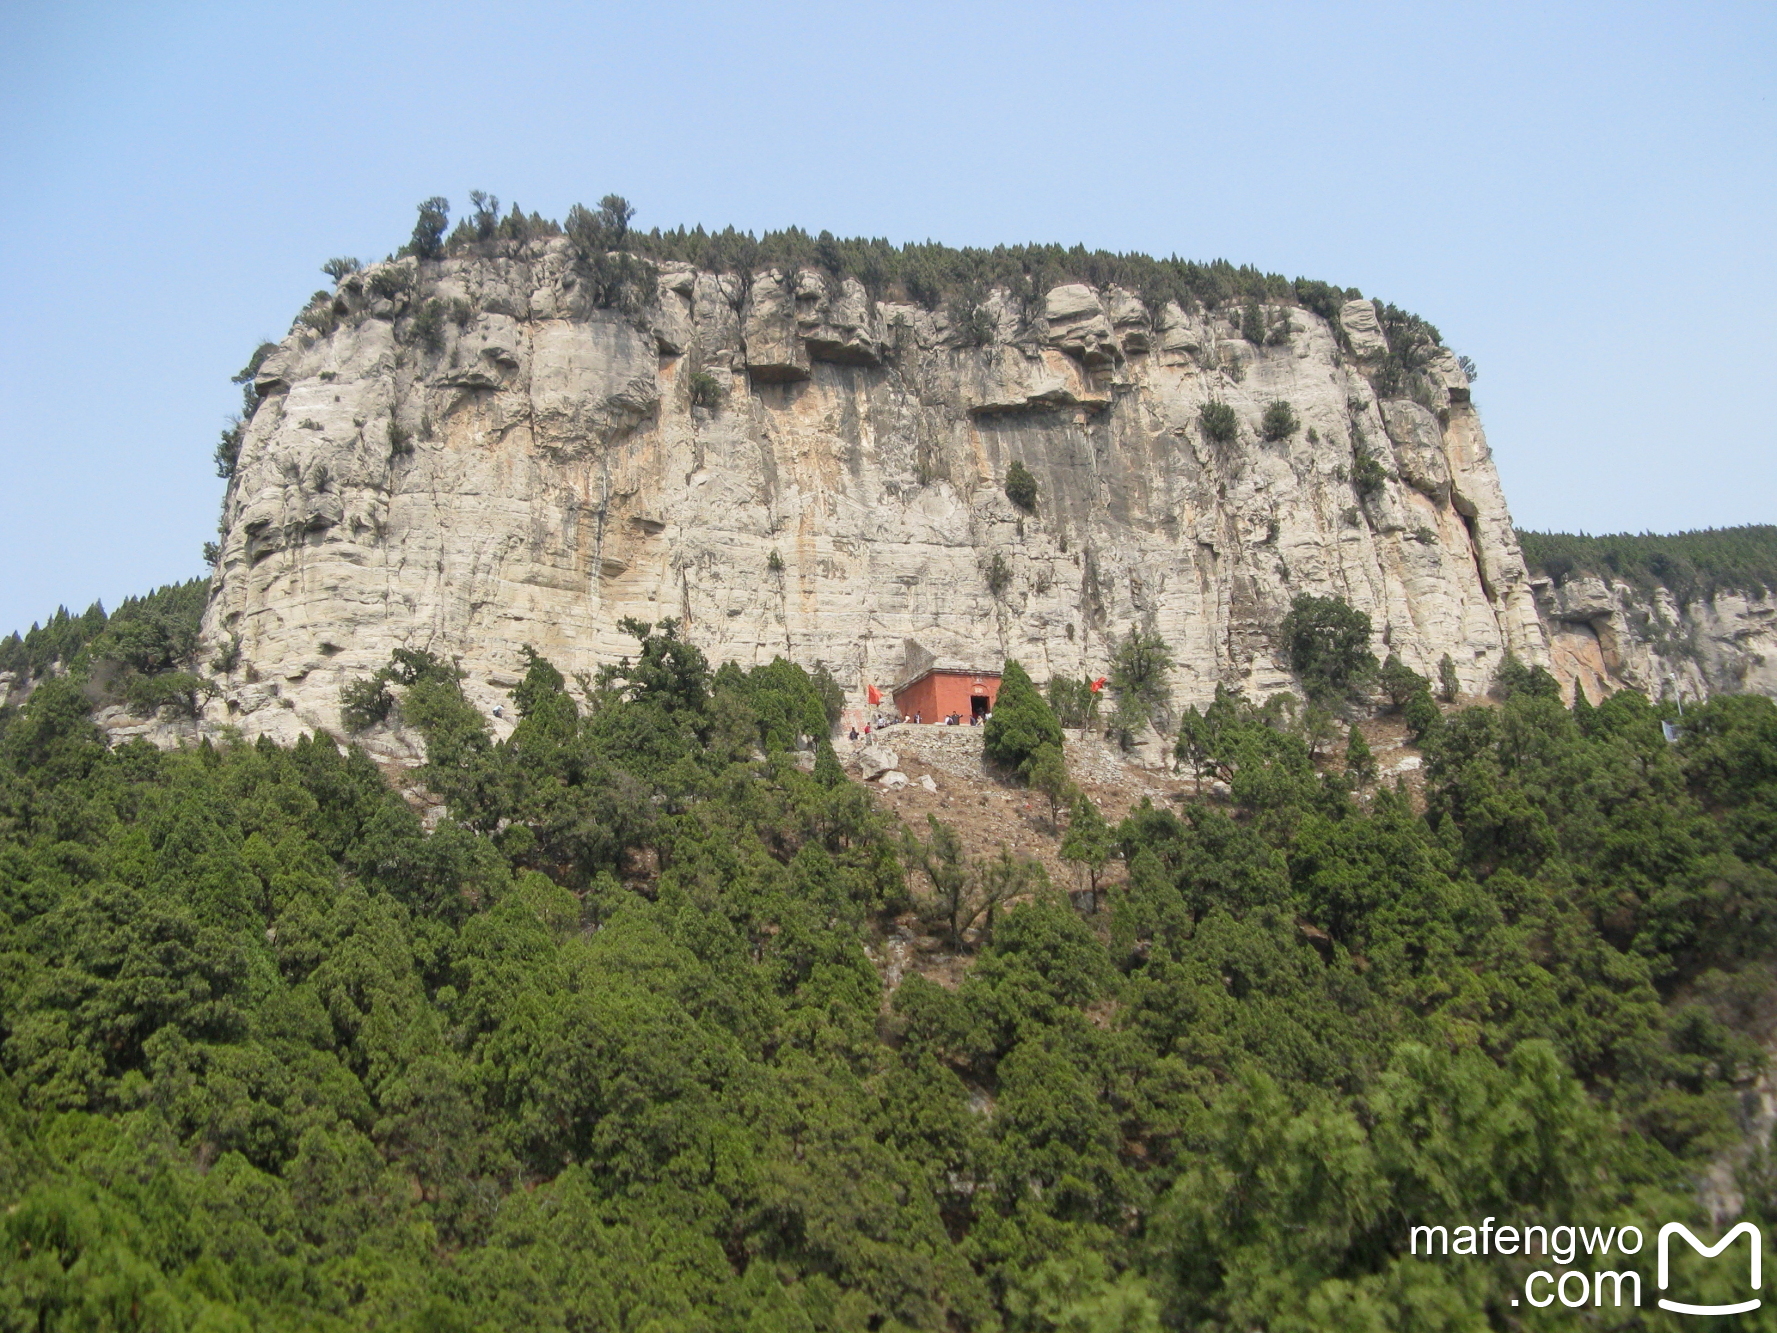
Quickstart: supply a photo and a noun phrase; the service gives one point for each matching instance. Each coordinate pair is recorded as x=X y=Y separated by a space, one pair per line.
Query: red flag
x=873 y=694
x=1098 y=684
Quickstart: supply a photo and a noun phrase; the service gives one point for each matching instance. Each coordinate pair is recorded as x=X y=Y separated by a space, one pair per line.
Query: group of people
x=881 y=722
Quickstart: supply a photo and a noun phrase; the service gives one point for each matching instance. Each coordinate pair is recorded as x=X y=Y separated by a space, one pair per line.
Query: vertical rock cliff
x=1609 y=634
x=471 y=455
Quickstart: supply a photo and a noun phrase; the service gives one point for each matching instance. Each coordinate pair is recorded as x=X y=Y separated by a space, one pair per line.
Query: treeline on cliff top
x=607 y=1046
x=925 y=272
x=1690 y=565
x=146 y=637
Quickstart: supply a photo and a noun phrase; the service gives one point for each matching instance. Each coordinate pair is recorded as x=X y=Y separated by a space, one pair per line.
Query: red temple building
x=937 y=692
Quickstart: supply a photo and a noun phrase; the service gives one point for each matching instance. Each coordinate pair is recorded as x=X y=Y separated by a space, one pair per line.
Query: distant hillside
x=1687 y=564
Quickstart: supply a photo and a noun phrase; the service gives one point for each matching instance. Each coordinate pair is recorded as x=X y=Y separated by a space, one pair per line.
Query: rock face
x=469 y=456
x=1604 y=636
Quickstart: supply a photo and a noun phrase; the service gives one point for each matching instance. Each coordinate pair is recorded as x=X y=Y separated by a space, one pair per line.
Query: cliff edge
x=508 y=447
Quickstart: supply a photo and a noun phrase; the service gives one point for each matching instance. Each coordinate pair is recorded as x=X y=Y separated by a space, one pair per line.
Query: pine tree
x=1088 y=841
x=1022 y=723
x=1448 y=685
x=1360 y=764
x=1048 y=776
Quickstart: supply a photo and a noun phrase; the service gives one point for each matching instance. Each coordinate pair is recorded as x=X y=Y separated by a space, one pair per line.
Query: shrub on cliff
x=998 y=574
x=428 y=325
x=1368 y=475
x=1280 y=422
x=1219 y=423
x=1328 y=645
x=1022 y=723
x=1021 y=487
x=706 y=390
x=1138 y=679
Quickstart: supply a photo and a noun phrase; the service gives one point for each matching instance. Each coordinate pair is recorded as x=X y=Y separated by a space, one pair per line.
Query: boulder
x=1447 y=373
x=894 y=780
x=874 y=760
x=1358 y=319
x=775 y=350
x=1078 y=326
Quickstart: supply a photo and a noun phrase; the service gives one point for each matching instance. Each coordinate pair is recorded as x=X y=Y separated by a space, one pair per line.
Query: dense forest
x=608 y=1045
x=1688 y=564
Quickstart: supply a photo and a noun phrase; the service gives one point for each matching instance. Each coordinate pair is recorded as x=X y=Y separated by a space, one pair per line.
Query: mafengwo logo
x=1575 y=1286
x=1756 y=1262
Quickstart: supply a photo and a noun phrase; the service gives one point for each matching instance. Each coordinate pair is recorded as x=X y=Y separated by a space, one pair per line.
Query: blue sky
x=1581 y=197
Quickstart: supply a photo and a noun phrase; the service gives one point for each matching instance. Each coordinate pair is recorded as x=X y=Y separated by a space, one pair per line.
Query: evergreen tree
x=1021 y=725
x=1328 y=643
x=1088 y=841
x=1048 y=777
x=1448 y=685
x=1360 y=764
x=1021 y=487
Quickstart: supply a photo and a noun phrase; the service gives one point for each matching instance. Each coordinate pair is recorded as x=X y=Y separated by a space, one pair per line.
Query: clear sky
x=1581 y=197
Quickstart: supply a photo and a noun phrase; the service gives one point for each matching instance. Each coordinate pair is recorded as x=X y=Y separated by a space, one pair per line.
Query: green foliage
x=615 y=268
x=604 y=1047
x=1047 y=775
x=427 y=325
x=341 y=268
x=484 y=220
x=1021 y=725
x=1514 y=678
x=58 y=639
x=1421 y=716
x=609 y=274
x=1279 y=422
x=391 y=282
x=1412 y=343
x=143 y=655
x=706 y=390
x=1328 y=646
x=998 y=574
x=181 y=692
x=1368 y=476
x=228 y=656
x=967 y=893
x=319 y=317
x=227 y=454
x=1448 y=684
x=1220 y=425
x=1074 y=702
x=364 y=703
x=1399 y=681
x=1140 y=665
x=1252 y=324
x=1021 y=487
x=428 y=230
x=972 y=321
x=1088 y=840
x=1690 y=565
x=1360 y=763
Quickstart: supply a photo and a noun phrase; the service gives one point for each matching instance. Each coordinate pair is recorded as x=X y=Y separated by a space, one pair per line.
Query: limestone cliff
x=470 y=455
x=1608 y=634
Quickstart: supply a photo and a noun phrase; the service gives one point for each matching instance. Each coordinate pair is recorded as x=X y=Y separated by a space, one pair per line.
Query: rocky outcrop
x=1606 y=635
x=472 y=455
